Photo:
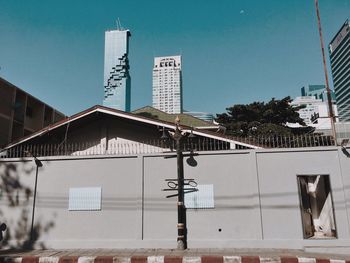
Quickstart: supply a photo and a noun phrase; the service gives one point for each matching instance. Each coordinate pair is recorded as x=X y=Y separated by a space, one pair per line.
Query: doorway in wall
x=316 y=206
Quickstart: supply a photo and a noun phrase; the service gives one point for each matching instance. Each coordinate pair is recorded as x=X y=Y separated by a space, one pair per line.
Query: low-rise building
x=314 y=112
x=106 y=130
x=22 y=114
x=201 y=115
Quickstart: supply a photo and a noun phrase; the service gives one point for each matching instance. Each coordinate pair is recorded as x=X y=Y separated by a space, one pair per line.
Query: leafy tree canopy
x=260 y=118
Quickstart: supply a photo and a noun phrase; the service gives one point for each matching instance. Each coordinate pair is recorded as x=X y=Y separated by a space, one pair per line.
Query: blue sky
x=234 y=51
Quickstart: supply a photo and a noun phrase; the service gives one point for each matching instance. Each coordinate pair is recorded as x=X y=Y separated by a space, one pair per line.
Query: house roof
x=129 y=116
x=186 y=119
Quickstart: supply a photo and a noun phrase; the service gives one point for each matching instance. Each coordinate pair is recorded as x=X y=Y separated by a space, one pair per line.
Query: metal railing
x=161 y=146
x=300 y=141
x=115 y=148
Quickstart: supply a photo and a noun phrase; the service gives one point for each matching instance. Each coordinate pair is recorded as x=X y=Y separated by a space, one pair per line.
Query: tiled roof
x=185 y=119
x=133 y=116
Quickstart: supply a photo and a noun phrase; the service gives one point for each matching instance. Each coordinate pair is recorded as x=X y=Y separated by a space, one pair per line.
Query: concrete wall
x=278 y=172
x=255 y=194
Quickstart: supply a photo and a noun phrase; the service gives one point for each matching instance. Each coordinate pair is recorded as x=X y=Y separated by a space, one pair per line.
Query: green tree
x=260 y=118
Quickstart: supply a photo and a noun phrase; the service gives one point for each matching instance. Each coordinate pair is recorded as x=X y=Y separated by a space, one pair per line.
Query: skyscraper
x=117 y=81
x=339 y=50
x=167 y=84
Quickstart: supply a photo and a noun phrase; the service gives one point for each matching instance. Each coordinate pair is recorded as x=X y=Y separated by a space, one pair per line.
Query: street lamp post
x=181 y=209
x=179 y=185
x=38 y=164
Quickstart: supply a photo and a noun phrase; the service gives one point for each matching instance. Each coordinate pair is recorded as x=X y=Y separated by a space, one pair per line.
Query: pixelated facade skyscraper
x=117 y=81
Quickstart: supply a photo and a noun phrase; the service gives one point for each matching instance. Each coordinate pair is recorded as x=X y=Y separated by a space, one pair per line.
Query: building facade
x=318 y=91
x=21 y=114
x=339 y=50
x=205 y=116
x=117 y=81
x=315 y=112
x=167 y=84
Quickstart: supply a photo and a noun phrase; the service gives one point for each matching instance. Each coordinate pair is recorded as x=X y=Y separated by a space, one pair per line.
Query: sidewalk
x=209 y=255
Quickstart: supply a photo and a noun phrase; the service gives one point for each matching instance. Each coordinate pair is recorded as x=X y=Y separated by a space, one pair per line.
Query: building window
x=29 y=112
x=316 y=206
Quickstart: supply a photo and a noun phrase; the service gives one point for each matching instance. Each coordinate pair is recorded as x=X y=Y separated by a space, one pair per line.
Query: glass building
x=339 y=51
x=167 y=84
x=117 y=81
x=205 y=116
x=318 y=91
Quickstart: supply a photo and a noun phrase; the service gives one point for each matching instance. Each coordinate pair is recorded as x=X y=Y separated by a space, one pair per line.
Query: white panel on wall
x=85 y=199
x=203 y=198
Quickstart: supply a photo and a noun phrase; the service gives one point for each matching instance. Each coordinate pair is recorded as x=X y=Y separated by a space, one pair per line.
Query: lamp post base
x=180 y=245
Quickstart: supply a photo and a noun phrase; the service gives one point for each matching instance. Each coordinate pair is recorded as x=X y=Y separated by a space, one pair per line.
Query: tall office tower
x=167 y=84
x=117 y=81
x=339 y=50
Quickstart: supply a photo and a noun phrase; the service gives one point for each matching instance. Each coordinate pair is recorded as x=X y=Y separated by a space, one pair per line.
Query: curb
x=168 y=259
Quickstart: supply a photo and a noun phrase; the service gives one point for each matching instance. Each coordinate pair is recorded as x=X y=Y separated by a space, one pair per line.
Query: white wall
x=255 y=194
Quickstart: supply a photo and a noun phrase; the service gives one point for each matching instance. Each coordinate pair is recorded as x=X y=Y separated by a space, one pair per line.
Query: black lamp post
x=179 y=185
x=181 y=209
x=38 y=164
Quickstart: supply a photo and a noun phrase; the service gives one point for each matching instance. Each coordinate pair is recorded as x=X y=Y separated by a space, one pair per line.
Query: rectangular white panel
x=85 y=199
x=203 y=198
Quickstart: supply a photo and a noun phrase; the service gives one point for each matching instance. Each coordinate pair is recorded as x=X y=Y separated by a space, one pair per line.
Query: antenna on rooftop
x=119 y=25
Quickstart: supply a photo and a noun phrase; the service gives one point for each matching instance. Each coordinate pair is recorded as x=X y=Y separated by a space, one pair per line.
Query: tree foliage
x=15 y=212
x=260 y=118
